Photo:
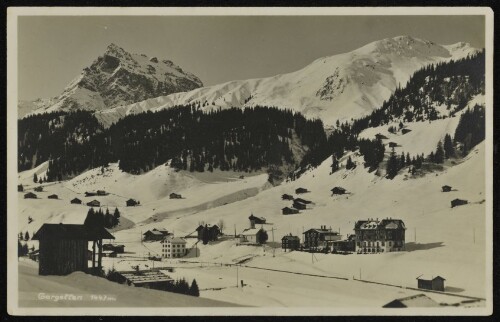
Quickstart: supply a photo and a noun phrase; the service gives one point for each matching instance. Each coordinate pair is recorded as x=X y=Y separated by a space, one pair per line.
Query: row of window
x=369 y=243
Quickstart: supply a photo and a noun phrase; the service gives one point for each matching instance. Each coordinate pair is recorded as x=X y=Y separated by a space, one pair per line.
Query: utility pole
x=237 y=278
x=272 y=231
x=360 y=273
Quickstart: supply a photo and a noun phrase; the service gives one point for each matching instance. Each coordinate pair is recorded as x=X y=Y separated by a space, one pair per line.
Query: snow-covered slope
x=340 y=87
x=117 y=78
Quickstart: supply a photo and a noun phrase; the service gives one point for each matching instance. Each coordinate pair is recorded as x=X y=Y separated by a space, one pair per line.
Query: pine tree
x=27 y=236
x=35 y=178
x=349 y=164
x=116 y=217
x=449 y=150
x=194 y=290
x=335 y=163
x=392 y=165
x=439 y=155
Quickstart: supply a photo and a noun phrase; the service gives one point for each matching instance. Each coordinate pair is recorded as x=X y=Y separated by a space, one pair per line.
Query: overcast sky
x=54 y=50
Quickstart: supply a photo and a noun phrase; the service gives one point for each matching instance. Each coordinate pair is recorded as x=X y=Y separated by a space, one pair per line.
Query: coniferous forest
x=252 y=139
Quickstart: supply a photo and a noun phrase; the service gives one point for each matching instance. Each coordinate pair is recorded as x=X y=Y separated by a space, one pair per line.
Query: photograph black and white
x=246 y=162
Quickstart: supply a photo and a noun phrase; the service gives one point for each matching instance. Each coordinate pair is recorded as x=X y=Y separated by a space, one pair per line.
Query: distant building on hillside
x=30 y=195
x=446 y=188
x=290 y=242
x=173 y=247
x=392 y=144
x=20 y=188
x=299 y=205
x=94 y=203
x=132 y=202
x=338 y=191
x=102 y=193
x=286 y=197
x=304 y=201
x=174 y=195
x=405 y=130
x=419 y=300
x=54 y=196
x=301 y=190
x=90 y=194
x=76 y=201
x=379 y=136
x=39 y=189
x=320 y=237
x=458 y=202
x=289 y=211
x=374 y=236
x=119 y=249
x=431 y=283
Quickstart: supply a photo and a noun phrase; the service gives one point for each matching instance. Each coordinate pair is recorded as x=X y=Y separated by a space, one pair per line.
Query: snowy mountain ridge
x=338 y=87
x=117 y=78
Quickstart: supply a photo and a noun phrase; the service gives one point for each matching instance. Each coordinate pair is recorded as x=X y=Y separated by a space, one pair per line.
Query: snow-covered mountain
x=332 y=88
x=117 y=78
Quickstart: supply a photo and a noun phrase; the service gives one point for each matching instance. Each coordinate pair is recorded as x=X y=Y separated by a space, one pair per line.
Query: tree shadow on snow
x=410 y=247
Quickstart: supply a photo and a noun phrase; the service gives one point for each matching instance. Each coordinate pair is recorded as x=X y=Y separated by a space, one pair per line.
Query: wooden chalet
x=54 y=196
x=392 y=144
x=320 y=237
x=304 y=201
x=301 y=190
x=102 y=193
x=289 y=211
x=252 y=236
x=90 y=194
x=30 y=195
x=38 y=189
x=431 y=283
x=132 y=202
x=174 y=195
x=286 y=197
x=256 y=220
x=94 y=203
x=338 y=191
x=20 y=188
x=212 y=232
x=379 y=136
x=345 y=245
x=299 y=205
x=119 y=249
x=458 y=202
x=290 y=242
x=76 y=201
x=63 y=248
x=445 y=188
x=419 y=300
x=155 y=234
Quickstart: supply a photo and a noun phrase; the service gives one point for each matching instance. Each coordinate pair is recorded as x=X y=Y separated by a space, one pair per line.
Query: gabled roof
x=71 y=232
x=255 y=217
x=251 y=231
x=427 y=277
x=143 y=277
x=290 y=237
x=154 y=232
x=75 y=199
x=322 y=231
x=176 y=240
x=419 y=300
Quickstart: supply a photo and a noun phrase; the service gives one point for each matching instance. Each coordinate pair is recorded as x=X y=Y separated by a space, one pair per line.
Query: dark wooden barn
x=119 y=249
x=54 y=196
x=432 y=283
x=90 y=194
x=289 y=211
x=212 y=233
x=392 y=144
x=63 y=248
x=299 y=205
x=446 y=188
x=458 y=202
x=174 y=195
x=102 y=193
x=338 y=191
x=20 y=188
x=302 y=201
x=132 y=203
x=301 y=190
x=30 y=195
x=76 y=201
x=94 y=203
x=39 y=189
x=256 y=220
x=404 y=131
x=287 y=197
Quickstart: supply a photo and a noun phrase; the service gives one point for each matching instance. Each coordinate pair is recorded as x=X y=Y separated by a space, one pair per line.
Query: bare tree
x=221 y=225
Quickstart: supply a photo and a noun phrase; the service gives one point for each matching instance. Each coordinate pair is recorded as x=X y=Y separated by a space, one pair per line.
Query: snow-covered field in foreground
x=444 y=241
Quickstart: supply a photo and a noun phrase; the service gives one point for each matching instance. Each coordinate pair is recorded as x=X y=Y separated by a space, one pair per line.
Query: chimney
x=252 y=224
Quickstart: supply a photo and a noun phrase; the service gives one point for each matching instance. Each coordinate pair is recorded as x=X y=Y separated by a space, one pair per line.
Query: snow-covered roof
x=142 y=277
x=419 y=300
x=250 y=231
x=174 y=240
x=430 y=277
